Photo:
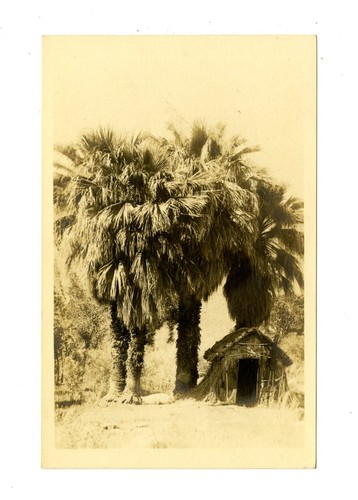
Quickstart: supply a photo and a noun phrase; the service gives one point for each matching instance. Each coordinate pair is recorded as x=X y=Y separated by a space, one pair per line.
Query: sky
x=261 y=87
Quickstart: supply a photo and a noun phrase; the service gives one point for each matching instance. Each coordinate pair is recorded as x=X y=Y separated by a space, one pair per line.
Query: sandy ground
x=182 y=424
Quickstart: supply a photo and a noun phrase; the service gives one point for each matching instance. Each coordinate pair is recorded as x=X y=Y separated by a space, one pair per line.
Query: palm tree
x=228 y=227
x=97 y=191
x=267 y=260
x=274 y=264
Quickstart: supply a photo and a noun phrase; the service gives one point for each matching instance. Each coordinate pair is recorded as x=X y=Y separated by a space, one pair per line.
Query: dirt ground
x=180 y=424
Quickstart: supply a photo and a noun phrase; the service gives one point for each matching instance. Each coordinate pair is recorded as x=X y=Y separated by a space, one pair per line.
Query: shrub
x=81 y=342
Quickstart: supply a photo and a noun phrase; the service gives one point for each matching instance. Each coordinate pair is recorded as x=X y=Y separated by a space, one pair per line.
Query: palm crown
x=273 y=265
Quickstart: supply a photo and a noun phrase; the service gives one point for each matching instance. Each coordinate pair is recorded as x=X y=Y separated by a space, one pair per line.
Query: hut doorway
x=247 y=382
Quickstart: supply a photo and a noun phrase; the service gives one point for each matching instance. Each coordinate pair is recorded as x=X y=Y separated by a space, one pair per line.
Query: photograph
x=179 y=251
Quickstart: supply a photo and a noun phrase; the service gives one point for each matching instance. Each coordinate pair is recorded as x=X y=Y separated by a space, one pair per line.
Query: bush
x=287 y=315
x=293 y=345
x=81 y=342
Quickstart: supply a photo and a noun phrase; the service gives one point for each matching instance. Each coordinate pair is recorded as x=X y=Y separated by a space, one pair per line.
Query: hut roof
x=241 y=336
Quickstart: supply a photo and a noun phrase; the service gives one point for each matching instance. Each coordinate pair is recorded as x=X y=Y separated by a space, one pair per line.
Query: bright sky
x=262 y=87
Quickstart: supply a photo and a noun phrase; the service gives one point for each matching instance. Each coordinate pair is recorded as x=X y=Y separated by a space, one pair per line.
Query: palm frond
x=242 y=149
x=199 y=136
x=68 y=152
x=103 y=140
x=289 y=266
x=192 y=206
x=179 y=139
x=61 y=225
x=285 y=216
x=294 y=203
x=289 y=238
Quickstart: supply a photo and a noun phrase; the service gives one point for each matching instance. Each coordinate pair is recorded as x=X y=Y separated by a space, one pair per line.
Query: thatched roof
x=242 y=336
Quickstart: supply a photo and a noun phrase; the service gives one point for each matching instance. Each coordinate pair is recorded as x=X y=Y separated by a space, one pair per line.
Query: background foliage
x=81 y=342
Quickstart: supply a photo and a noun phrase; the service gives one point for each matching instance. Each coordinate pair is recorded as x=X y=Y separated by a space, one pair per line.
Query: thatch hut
x=247 y=368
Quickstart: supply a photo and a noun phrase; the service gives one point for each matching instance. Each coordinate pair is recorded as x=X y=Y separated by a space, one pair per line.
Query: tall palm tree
x=270 y=261
x=229 y=227
x=274 y=263
x=98 y=189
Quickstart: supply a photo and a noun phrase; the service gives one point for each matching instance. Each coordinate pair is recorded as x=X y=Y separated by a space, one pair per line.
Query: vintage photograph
x=179 y=251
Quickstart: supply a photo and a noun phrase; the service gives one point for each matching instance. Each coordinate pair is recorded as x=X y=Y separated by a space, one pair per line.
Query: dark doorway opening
x=247 y=382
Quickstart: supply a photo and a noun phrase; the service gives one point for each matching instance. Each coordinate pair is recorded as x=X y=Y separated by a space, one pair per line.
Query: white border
x=21 y=27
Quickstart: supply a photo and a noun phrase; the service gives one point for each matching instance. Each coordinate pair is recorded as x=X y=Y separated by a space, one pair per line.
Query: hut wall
x=221 y=381
x=271 y=374
x=273 y=382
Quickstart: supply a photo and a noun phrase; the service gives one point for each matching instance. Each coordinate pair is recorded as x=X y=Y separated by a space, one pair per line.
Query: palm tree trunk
x=188 y=343
x=119 y=354
x=135 y=366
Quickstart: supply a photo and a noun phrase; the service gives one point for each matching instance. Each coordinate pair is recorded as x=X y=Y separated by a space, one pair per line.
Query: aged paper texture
x=258 y=409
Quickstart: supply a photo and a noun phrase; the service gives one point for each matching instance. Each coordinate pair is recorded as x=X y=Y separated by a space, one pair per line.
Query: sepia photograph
x=179 y=251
